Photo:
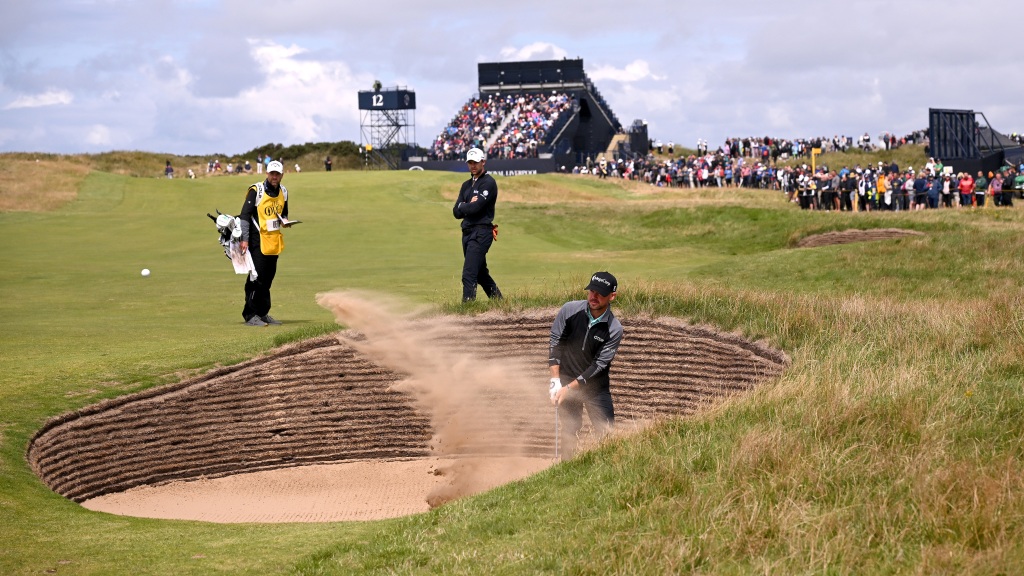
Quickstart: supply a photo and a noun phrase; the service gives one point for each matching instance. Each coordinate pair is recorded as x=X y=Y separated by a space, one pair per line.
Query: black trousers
x=257 y=294
x=845 y=203
x=476 y=241
x=570 y=415
x=904 y=201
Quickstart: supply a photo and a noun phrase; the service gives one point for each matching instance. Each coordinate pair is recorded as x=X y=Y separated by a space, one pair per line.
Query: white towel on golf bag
x=242 y=261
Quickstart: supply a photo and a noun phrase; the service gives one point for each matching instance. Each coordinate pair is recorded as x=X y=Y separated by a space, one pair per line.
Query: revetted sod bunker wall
x=321 y=401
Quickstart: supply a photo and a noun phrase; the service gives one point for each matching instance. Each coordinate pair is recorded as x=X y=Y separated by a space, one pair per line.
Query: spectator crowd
x=507 y=126
x=214 y=166
x=752 y=163
x=886 y=187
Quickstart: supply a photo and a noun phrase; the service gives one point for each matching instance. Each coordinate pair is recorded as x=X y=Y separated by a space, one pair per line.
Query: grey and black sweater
x=583 y=350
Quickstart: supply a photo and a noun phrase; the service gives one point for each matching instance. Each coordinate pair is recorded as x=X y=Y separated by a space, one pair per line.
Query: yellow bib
x=269 y=211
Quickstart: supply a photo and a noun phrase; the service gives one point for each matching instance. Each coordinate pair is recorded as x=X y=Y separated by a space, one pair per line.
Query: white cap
x=275 y=166
x=475 y=155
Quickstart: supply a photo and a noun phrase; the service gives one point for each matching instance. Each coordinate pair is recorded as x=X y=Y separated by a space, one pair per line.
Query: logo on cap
x=475 y=155
x=603 y=283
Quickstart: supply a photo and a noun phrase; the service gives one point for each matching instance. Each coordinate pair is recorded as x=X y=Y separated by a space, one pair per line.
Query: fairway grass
x=891 y=445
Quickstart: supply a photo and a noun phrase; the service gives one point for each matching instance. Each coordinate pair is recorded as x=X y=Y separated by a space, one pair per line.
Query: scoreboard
x=387 y=100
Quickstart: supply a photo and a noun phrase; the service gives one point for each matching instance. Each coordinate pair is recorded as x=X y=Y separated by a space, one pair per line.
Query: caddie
x=261 y=219
x=585 y=337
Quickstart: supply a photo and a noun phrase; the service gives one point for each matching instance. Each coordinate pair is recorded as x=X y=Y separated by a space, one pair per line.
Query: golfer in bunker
x=584 y=339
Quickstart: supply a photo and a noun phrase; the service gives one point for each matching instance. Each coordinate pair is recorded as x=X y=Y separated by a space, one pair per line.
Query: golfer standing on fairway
x=265 y=204
x=584 y=339
x=475 y=206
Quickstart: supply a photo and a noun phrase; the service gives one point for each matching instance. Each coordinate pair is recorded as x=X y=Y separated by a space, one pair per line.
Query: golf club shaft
x=556 y=432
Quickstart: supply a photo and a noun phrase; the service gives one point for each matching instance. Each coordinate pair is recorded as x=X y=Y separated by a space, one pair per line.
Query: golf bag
x=229 y=229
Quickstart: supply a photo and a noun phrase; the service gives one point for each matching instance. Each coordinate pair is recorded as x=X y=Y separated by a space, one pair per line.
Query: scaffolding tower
x=387 y=116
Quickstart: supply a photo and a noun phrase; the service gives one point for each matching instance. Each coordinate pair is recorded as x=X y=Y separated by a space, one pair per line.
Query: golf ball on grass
x=145 y=271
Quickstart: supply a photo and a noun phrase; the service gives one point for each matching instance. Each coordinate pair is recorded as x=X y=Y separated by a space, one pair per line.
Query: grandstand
x=532 y=117
x=964 y=140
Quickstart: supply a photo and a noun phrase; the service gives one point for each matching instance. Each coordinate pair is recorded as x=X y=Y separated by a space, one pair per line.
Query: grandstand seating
x=471 y=127
x=509 y=126
x=546 y=112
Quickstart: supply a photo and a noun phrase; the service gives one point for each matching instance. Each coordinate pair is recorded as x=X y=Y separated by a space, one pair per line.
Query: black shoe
x=271 y=320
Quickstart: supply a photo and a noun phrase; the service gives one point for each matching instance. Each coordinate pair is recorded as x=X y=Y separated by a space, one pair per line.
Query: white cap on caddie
x=275 y=166
x=475 y=155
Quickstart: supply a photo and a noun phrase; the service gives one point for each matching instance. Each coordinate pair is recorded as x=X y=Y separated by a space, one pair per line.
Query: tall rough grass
x=40 y=184
x=891 y=445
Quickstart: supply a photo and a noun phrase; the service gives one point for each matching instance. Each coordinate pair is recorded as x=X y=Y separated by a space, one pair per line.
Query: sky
x=227 y=76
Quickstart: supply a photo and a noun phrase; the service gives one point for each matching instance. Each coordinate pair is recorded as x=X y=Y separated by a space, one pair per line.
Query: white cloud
x=305 y=97
x=778 y=117
x=191 y=81
x=534 y=51
x=48 y=98
x=633 y=72
x=99 y=135
x=645 y=103
x=431 y=115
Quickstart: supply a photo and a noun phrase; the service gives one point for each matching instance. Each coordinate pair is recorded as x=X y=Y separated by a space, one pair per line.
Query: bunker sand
x=389 y=418
x=352 y=491
x=853 y=235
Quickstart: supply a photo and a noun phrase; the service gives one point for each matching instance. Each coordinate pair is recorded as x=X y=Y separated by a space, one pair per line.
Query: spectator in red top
x=966 y=187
